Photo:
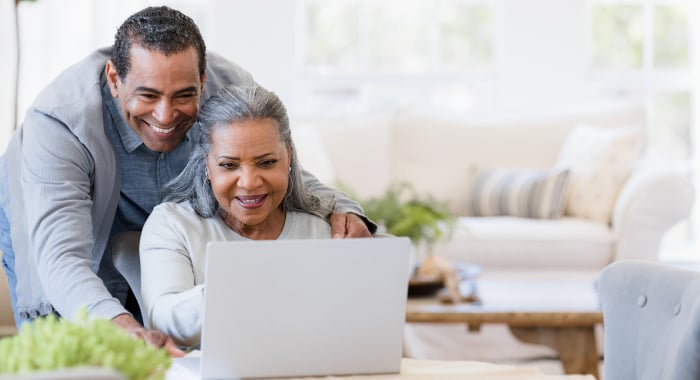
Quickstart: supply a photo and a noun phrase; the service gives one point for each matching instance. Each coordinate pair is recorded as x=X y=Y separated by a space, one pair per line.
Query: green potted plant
x=402 y=211
x=61 y=346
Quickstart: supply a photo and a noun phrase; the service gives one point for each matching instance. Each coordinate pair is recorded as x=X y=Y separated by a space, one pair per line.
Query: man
x=92 y=158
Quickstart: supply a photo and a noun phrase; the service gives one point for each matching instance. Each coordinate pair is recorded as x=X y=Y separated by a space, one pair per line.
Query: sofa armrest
x=652 y=200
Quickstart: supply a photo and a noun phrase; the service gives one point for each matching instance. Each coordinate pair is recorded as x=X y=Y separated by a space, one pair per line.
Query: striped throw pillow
x=517 y=192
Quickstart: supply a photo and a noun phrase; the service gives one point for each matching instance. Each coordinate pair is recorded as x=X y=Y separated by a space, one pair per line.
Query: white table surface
x=415 y=369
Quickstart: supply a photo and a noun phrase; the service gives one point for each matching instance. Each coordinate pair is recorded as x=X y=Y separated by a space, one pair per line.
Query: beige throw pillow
x=519 y=192
x=600 y=160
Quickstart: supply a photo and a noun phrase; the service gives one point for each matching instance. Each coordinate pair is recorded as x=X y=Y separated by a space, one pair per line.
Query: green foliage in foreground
x=52 y=343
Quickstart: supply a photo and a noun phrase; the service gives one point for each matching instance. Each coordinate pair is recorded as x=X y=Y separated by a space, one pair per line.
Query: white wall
x=7 y=69
x=542 y=56
x=260 y=36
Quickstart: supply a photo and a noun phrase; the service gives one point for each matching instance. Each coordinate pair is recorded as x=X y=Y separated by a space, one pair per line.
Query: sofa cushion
x=525 y=243
x=440 y=156
x=447 y=184
x=600 y=160
x=516 y=192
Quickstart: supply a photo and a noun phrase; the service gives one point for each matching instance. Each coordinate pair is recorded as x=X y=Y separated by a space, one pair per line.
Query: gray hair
x=232 y=104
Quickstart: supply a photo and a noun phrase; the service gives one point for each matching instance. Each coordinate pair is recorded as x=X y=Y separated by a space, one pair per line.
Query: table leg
x=576 y=346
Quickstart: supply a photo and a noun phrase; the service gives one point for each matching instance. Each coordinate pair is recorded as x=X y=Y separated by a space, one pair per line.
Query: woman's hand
x=152 y=337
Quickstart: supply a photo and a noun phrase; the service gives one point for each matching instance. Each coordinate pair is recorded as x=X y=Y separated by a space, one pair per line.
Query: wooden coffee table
x=549 y=308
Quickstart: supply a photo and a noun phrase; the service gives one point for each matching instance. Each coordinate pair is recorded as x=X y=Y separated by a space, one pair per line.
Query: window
x=644 y=47
x=364 y=55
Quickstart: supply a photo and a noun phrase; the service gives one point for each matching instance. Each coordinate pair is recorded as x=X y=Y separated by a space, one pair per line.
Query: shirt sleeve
x=173 y=302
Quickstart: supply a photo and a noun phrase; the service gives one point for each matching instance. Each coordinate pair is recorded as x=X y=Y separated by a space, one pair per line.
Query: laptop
x=292 y=308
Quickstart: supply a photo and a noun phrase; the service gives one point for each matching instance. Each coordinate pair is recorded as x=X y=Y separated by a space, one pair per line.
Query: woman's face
x=248 y=167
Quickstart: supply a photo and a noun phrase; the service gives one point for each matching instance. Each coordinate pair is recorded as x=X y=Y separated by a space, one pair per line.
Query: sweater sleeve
x=343 y=204
x=173 y=301
x=56 y=181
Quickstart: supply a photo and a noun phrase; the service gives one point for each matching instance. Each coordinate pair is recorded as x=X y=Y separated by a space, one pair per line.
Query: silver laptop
x=284 y=308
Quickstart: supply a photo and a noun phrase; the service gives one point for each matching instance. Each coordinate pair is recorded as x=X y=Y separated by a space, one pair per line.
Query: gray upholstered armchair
x=652 y=321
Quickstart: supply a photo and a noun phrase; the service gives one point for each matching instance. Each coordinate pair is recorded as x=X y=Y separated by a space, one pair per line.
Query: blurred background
x=462 y=57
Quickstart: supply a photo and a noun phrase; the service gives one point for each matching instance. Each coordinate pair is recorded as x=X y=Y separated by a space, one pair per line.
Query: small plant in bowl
x=401 y=211
x=50 y=344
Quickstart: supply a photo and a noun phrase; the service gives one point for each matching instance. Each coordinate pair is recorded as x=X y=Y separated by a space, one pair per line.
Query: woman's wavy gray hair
x=232 y=104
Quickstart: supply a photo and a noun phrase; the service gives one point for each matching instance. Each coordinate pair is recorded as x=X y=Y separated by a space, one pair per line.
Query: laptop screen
x=281 y=308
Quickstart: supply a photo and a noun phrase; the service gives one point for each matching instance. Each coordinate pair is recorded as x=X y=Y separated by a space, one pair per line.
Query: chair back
x=651 y=317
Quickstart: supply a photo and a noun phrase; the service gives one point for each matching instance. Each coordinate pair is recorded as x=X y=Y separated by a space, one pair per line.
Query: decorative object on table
x=454 y=282
x=401 y=211
x=50 y=343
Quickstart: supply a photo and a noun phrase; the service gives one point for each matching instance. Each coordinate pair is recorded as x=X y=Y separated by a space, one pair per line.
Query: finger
x=338 y=228
x=154 y=338
x=172 y=349
x=139 y=334
x=160 y=340
x=357 y=227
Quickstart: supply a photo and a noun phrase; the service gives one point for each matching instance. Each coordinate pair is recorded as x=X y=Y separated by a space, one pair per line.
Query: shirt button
x=641 y=300
x=677 y=309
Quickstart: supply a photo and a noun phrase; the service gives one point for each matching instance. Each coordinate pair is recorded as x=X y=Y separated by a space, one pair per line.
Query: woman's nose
x=249 y=179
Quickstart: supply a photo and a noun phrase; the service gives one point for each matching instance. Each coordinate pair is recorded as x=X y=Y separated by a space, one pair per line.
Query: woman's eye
x=267 y=163
x=228 y=165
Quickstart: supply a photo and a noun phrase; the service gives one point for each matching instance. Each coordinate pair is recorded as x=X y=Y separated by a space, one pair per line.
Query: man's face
x=159 y=97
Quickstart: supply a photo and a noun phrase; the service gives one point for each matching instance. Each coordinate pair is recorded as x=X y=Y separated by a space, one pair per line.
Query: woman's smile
x=251 y=201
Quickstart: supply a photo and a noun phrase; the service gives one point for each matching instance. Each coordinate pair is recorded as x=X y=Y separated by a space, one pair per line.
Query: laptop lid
x=279 y=308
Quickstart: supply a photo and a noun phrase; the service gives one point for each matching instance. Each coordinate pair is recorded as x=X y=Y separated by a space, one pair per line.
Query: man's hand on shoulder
x=152 y=337
x=348 y=225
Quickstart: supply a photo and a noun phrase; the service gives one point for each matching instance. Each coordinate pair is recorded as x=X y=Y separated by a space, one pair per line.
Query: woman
x=242 y=181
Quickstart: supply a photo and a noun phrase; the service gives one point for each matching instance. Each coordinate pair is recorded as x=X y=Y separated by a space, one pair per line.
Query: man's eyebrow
x=153 y=90
x=147 y=89
x=187 y=90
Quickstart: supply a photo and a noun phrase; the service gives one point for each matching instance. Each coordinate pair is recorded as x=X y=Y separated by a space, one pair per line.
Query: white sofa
x=440 y=156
